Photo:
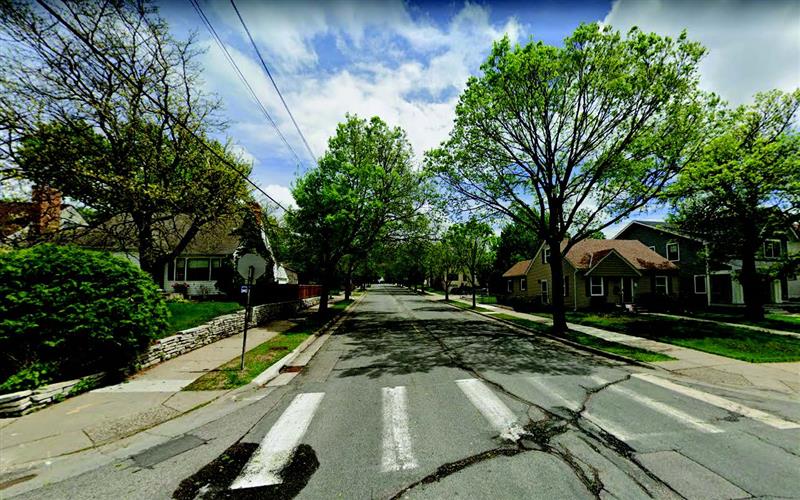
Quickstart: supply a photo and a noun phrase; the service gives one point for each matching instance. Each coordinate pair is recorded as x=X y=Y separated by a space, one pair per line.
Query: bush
x=66 y=312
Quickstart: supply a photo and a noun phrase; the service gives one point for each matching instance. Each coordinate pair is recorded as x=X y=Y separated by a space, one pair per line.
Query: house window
x=216 y=266
x=662 y=285
x=197 y=269
x=546 y=255
x=510 y=286
x=545 y=292
x=596 y=288
x=673 y=251
x=180 y=269
x=772 y=249
x=523 y=284
x=566 y=286
x=700 y=284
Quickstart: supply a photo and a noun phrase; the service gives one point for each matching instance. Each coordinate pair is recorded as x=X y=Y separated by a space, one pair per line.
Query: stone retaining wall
x=216 y=329
x=22 y=402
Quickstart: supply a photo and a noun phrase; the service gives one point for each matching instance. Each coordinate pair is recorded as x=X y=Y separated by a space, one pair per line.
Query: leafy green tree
x=570 y=140
x=745 y=187
x=363 y=190
x=445 y=260
x=516 y=243
x=472 y=241
x=98 y=100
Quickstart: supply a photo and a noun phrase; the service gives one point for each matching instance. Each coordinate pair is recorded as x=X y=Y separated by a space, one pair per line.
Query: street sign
x=245 y=288
x=257 y=262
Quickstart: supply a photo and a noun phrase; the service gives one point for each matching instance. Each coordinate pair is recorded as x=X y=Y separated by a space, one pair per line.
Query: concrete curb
x=331 y=325
x=576 y=345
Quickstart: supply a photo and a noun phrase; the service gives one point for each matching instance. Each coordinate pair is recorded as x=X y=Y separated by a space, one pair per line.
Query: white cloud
x=281 y=194
x=752 y=46
x=415 y=92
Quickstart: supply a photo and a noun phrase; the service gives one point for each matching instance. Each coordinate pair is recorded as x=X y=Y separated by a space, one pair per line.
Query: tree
x=472 y=243
x=446 y=260
x=745 y=187
x=100 y=102
x=363 y=190
x=569 y=140
x=516 y=243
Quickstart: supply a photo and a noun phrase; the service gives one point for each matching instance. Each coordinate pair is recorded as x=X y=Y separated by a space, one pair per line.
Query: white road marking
x=279 y=443
x=396 y=435
x=660 y=407
x=552 y=394
x=609 y=427
x=721 y=402
x=497 y=413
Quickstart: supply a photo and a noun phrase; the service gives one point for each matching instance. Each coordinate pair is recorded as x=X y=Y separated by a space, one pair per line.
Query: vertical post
x=250 y=272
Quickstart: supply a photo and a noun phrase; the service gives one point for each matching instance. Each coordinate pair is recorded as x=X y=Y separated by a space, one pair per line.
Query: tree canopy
x=364 y=189
x=569 y=140
x=745 y=186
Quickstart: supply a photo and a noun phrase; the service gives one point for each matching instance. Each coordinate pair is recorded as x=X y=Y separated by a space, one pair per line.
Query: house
x=597 y=273
x=25 y=222
x=708 y=283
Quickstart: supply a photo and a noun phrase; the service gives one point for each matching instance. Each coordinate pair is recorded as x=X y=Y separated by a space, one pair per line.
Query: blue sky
x=408 y=61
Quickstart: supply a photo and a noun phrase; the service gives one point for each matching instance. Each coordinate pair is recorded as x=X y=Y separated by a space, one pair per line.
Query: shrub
x=67 y=312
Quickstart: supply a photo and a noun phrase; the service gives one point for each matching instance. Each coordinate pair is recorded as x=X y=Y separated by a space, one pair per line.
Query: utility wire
x=164 y=109
x=229 y=57
x=269 y=74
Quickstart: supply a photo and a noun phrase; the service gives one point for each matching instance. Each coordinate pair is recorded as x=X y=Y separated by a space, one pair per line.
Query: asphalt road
x=415 y=399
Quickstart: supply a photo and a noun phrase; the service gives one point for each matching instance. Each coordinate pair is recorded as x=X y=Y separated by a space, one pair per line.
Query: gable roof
x=658 y=225
x=518 y=269
x=585 y=254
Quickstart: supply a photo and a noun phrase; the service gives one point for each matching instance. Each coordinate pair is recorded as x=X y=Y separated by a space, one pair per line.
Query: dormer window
x=673 y=251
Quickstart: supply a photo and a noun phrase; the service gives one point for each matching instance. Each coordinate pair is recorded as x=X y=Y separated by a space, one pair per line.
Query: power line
x=269 y=74
x=164 y=109
x=229 y=57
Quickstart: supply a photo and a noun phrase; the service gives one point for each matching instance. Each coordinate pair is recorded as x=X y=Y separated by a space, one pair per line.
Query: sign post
x=250 y=267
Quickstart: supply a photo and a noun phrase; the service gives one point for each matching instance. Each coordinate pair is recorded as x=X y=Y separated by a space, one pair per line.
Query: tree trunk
x=472 y=283
x=323 y=300
x=753 y=301
x=148 y=261
x=556 y=288
x=446 y=290
x=348 y=282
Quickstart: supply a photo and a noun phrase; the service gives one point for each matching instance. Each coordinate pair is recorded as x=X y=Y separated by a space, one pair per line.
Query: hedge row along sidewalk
x=259 y=359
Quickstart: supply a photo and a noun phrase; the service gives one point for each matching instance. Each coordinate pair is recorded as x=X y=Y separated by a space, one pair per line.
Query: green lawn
x=185 y=315
x=229 y=376
x=775 y=321
x=487 y=299
x=738 y=343
x=590 y=341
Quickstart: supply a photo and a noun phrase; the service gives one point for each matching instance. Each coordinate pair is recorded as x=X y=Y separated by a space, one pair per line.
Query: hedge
x=67 y=312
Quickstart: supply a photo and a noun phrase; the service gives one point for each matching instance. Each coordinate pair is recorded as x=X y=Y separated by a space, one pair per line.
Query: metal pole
x=246 y=313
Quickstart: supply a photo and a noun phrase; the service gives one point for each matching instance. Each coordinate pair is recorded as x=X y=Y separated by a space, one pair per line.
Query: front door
x=627 y=290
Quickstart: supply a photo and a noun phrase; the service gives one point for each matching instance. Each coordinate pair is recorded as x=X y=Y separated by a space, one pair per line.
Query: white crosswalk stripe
x=278 y=445
x=720 y=402
x=660 y=407
x=397 y=454
x=494 y=410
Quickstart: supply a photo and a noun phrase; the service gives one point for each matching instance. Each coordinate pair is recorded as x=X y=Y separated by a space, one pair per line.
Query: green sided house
x=597 y=273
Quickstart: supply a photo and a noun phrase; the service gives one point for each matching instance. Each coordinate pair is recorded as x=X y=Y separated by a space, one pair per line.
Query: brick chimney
x=46 y=210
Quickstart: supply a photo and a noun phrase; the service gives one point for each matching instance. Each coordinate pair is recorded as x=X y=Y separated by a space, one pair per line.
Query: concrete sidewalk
x=701 y=366
x=111 y=413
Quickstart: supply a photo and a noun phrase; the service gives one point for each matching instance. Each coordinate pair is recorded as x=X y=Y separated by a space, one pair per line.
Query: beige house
x=596 y=273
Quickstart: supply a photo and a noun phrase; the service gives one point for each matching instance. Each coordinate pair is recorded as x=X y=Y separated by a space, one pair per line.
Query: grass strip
x=258 y=359
x=462 y=305
x=184 y=315
x=743 y=344
x=772 y=321
x=590 y=341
